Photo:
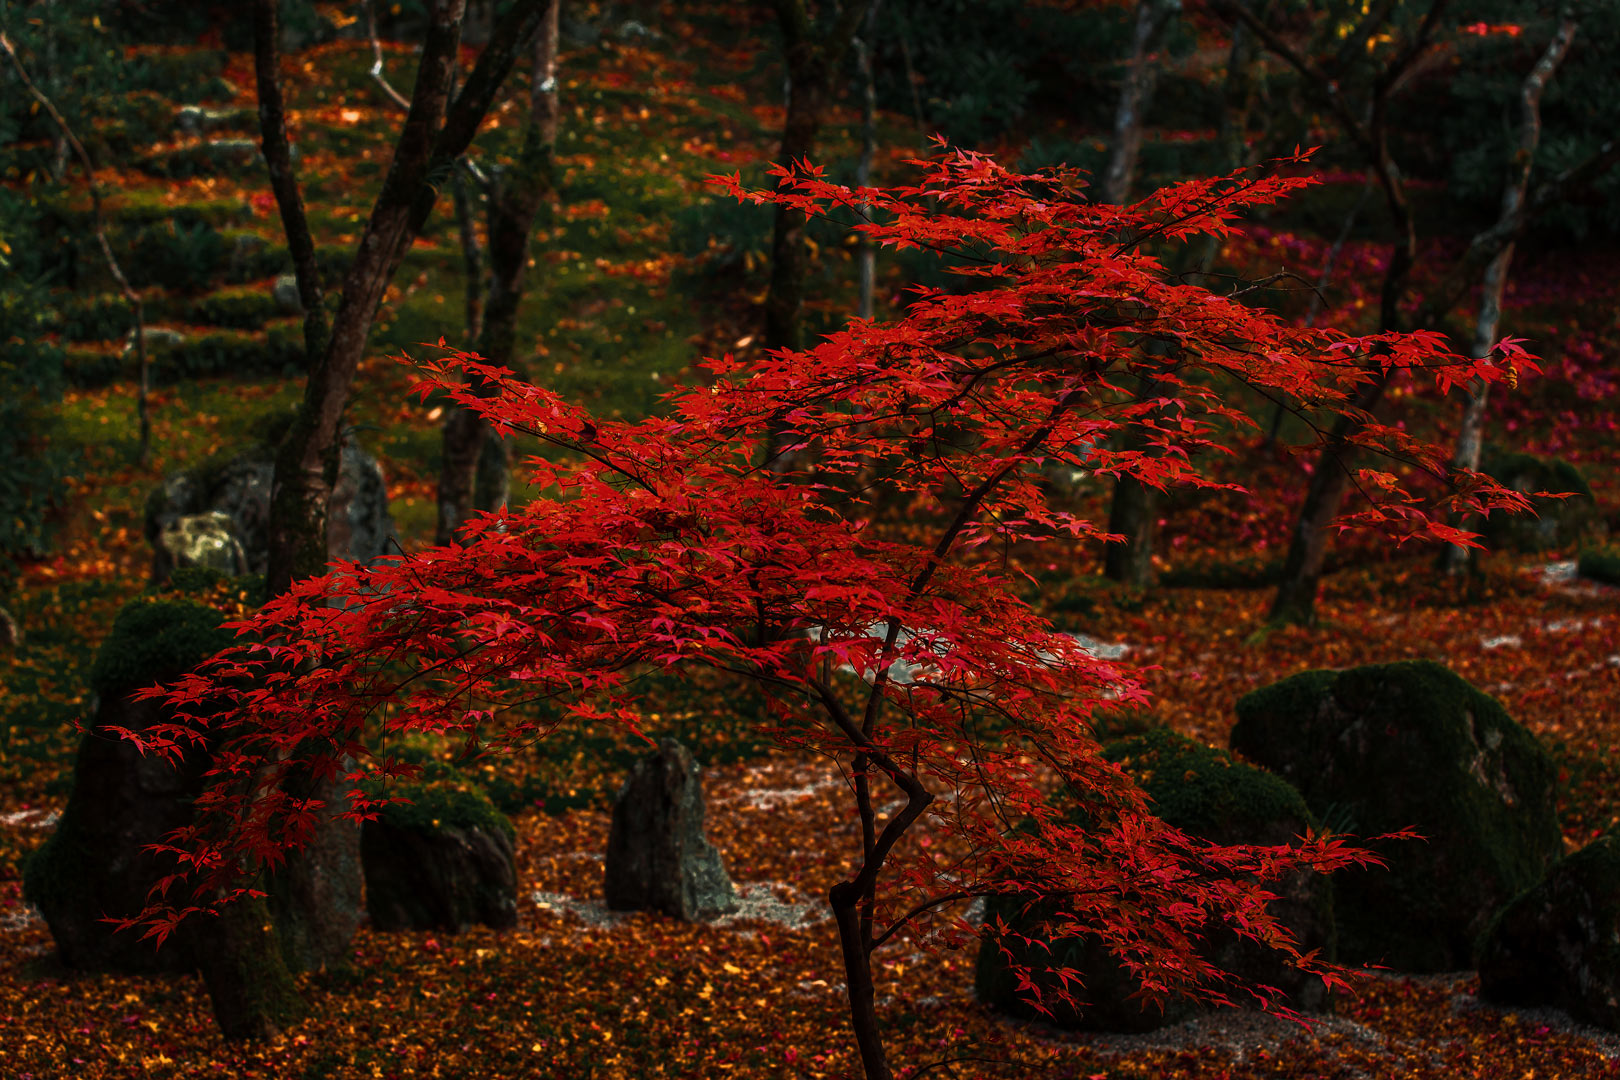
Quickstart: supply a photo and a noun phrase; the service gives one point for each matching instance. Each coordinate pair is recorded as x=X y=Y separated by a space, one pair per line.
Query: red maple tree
x=667 y=543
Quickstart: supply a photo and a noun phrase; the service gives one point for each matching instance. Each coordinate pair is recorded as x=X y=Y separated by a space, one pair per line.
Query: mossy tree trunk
x=245 y=966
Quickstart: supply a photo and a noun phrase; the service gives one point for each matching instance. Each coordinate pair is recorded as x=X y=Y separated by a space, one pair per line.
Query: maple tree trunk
x=475 y=467
x=1152 y=18
x=847 y=913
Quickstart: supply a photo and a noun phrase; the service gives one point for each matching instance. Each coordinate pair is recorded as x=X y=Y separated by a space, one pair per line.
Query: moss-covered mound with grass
x=1558 y=943
x=1378 y=748
x=443 y=860
x=1556 y=522
x=1206 y=793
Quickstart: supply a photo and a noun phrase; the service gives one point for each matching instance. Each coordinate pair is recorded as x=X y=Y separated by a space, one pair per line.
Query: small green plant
x=178 y=254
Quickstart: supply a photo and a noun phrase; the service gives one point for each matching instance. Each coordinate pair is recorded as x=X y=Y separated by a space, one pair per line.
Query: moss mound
x=166 y=631
x=1556 y=522
x=1209 y=794
x=1378 y=748
x=1558 y=943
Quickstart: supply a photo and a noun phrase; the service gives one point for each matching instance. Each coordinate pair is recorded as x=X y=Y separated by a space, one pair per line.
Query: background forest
x=219 y=227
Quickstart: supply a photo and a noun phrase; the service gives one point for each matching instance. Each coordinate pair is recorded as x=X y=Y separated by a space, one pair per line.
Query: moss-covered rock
x=1556 y=522
x=1559 y=943
x=442 y=861
x=1600 y=564
x=1205 y=793
x=1377 y=748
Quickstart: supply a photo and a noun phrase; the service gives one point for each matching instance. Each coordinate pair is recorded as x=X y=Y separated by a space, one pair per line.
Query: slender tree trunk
x=1471 y=434
x=813 y=59
x=1152 y=18
x=475 y=467
x=472 y=255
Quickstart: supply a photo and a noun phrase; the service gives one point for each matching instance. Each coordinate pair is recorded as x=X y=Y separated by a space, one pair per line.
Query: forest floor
x=638 y=277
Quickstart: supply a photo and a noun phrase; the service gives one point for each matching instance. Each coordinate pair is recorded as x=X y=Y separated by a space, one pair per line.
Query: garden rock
x=203 y=120
x=444 y=862
x=1559 y=943
x=657 y=857
x=95 y=863
x=238 y=486
x=1377 y=748
x=1556 y=523
x=11 y=631
x=157 y=337
x=285 y=293
x=1205 y=793
x=206 y=540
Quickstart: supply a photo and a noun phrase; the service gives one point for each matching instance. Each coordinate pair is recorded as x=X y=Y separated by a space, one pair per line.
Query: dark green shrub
x=239 y=309
x=177 y=254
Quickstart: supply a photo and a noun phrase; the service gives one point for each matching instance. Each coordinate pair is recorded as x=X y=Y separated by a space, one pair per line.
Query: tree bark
x=475 y=467
x=1132 y=514
x=1152 y=18
x=813 y=61
x=1471 y=434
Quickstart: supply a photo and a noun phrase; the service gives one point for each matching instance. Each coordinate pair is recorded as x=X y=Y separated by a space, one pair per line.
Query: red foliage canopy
x=667 y=543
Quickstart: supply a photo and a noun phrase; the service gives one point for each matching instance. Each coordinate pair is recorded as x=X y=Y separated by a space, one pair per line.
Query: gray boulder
x=1378 y=748
x=11 y=631
x=238 y=486
x=445 y=861
x=1559 y=943
x=203 y=120
x=657 y=857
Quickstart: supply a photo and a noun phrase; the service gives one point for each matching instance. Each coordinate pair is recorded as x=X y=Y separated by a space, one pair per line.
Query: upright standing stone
x=658 y=858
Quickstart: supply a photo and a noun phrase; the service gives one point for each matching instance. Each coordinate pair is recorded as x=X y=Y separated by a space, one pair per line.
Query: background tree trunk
x=865 y=250
x=475 y=469
x=1471 y=433
x=1152 y=19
